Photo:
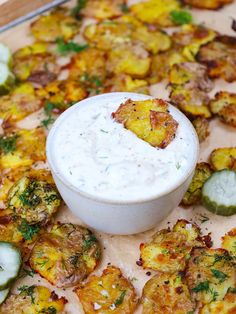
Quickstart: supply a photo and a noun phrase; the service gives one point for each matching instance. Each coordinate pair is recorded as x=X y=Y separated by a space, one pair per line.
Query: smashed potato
x=22 y=147
x=209 y=274
x=155 y=12
x=34 y=201
x=108 y=293
x=21 y=102
x=65 y=255
x=125 y=83
x=226 y=306
x=103 y=9
x=229 y=242
x=224 y=105
x=34 y=300
x=149 y=120
x=191 y=37
x=129 y=60
x=194 y=193
x=219 y=56
x=169 y=250
x=223 y=158
x=56 y=24
x=164 y=294
x=208 y=4
x=63 y=94
x=201 y=126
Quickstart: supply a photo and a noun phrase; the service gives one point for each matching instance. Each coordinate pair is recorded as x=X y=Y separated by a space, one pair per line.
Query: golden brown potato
x=149 y=120
x=34 y=300
x=65 y=255
x=194 y=192
x=226 y=306
x=125 y=83
x=103 y=9
x=219 y=56
x=191 y=37
x=229 y=242
x=21 y=147
x=208 y=4
x=131 y=60
x=21 y=102
x=33 y=200
x=169 y=250
x=34 y=63
x=209 y=274
x=155 y=12
x=224 y=105
x=56 y=24
x=165 y=294
x=108 y=293
x=201 y=126
x=63 y=94
x=223 y=158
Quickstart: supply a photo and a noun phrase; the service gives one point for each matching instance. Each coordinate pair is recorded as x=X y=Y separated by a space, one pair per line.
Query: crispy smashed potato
x=22 y=147
x=164 y=294
x=21 y=102
x=201 y=126
x=194 y=193
x=149 y=120
x=209 y=274
x=131 y=60
x=189 y=86
x=59 y=23
x=34 y=300
x=34 y=201
x=65 y=255
x=226 y=306
x=208 y=4
x=125 y=83
x=108 y=293
x=103 y=9
x=224 y=105
x=219 y=56
x=169 y=250
x=191 y=37
x=223 y=158
x=63 y=94
x=229 y=242
x=155 y=12
x=35 y=63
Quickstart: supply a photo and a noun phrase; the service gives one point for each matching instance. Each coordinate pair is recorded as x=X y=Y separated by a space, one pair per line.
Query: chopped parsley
x=124 y=8
x=49 y=310
x=28 y=290
x=88 y=242
x=48 y=109
x=79 y=6
x=28 y=231
x=120 y=299
x=70 y=46
x=219 y=258
x=231 y=290
x=8 y=143
x=202 y=286
x=180 y=17
x=219 y=275
x=27 y=272
x=203 y=218
x=74 y=259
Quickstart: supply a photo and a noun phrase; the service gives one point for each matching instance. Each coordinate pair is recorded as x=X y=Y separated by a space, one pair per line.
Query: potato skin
x=226 y=306
x=208 y=4
x=165 y=294
x=108 y=293
x=65 y=255
x=229 y=242
x=194 y=193
x=44 y=301
x=209 y=274
x=201 y=126
x=102 y=9
x=169 y=250
x=223 y=158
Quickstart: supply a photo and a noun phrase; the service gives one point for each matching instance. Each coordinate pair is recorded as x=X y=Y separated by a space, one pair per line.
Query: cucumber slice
x=3 y=295
x=219 y=193
x=10 y=263
x=7 y=79
x=5 y=54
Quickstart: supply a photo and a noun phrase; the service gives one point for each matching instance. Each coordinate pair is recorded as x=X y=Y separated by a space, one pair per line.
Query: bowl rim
x=92 y=197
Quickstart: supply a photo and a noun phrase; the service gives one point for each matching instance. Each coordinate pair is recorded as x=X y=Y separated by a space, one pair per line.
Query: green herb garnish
x=28 y=290
x=49 y=310
x=74 y=259
x=120 y=300
x=88 y=242
x=180 y=17
x=203 y=218
x=28 y=231
x=48 y=109
x=231 y=290
x=124 y=8
x=219 y=275
x=79 y=6
x=202 y=286
x=70 y=46
x=8 y=143
x=27 y=272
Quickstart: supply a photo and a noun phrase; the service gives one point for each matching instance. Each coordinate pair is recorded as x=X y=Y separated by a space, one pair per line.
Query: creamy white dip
x=97 y=155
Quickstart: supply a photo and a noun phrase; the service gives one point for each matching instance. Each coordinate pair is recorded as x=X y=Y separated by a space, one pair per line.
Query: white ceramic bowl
x=112 y=216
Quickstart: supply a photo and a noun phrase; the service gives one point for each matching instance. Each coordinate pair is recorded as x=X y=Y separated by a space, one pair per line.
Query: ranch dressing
x=98 y=156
